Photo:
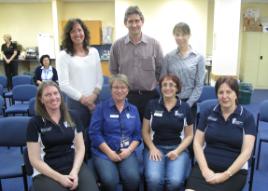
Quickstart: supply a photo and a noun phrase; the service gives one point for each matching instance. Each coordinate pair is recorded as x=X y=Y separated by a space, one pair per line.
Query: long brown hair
x=67 y=42
x=40 y=109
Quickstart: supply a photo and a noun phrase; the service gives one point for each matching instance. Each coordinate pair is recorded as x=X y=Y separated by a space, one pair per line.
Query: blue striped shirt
x=190 y=70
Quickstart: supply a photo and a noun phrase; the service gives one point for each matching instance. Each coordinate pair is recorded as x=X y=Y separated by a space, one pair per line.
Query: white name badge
x=158 y=114
x=115 y=116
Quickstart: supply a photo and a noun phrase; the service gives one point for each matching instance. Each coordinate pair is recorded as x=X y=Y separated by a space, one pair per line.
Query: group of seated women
x=222 y=144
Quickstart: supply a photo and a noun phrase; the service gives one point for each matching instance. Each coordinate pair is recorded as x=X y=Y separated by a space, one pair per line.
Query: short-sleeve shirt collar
x=161 y=102
x=238 y=111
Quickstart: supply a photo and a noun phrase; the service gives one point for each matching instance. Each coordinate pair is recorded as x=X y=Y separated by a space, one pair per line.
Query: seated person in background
x=167 y=160
x=45 y=72
x=55 y=145
x=228 y=132
x=115 y=134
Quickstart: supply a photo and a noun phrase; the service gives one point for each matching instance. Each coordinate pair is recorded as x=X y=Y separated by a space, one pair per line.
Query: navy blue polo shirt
x=56 y=141
x=167 y=125
x=224 y=139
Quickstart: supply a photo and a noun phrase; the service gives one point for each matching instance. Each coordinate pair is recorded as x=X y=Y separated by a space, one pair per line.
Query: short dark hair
x=172 y=77
x=67 y=43
x=43 y=57
x=182 y=28
x=133 y=10
x=231 y=82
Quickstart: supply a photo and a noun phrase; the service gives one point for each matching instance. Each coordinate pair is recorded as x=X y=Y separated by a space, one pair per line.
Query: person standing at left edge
x=9 y=53
x=140 y=58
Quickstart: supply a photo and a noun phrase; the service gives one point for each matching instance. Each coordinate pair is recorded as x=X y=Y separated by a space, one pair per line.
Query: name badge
x=114 y=116
x=158 y=113
x=210 y=118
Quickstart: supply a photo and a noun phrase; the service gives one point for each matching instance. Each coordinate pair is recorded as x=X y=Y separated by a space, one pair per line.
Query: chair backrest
x=105 y=80
x=1 y=90
x=24 y=92
x=21 y=79
x=32 y=106
x=3 y=81
x=13 y=131
x=207 y=104
x=105 y=92
x=203 y=106
x=2 y=103
x=208 y=92
x=263 y=112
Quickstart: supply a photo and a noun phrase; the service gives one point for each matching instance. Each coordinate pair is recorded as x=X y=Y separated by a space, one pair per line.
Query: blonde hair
x=120 y=78
x=41 y=109
x=8 y=36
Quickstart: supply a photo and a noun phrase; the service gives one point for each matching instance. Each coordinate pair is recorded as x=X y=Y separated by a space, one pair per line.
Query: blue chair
x=2 y=106
x=31 y=111
x=13 y=134
x=204 y=105
x=105 y=80
x=208 y=92
x=18 y=80
x=262 y=120
x=3 y=82
x=105 y=92
x=21 y=96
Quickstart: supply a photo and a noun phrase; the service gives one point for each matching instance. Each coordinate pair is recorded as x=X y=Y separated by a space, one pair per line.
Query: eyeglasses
x=171 y=85
x=119 y=87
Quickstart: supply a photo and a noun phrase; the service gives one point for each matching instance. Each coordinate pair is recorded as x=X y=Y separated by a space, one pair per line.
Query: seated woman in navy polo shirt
x=223 y=142
x=45 y=72
x=115 y=132
x=167 y=160
x=55 y=145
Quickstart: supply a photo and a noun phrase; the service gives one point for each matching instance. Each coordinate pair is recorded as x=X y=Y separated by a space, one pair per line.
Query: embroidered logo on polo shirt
x=66 y=125
x=130 y=116
x=210 y=118
x=178 y=114
x=236 y=122
x=158 y=113
x=44 y=130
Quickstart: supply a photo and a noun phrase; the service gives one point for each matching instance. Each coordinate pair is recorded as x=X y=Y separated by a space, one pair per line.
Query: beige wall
x=24 y=21
x=28 y=19
x=103 y=11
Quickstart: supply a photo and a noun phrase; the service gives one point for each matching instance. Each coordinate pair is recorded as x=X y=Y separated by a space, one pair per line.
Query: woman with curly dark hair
x=79 y=70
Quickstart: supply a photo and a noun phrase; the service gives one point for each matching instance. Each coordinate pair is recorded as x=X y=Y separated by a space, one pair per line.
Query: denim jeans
x=169 y=174
x=111 y=173
x=84 y=115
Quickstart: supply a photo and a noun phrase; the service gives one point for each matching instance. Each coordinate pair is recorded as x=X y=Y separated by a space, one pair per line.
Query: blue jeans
x=84 y=115
x=110 y=173
x=169 y=174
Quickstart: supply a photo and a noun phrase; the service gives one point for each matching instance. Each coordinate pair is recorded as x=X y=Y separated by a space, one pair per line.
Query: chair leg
x=258 y=155
x=251 y=176
x=25 y=181
x=1 y=189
